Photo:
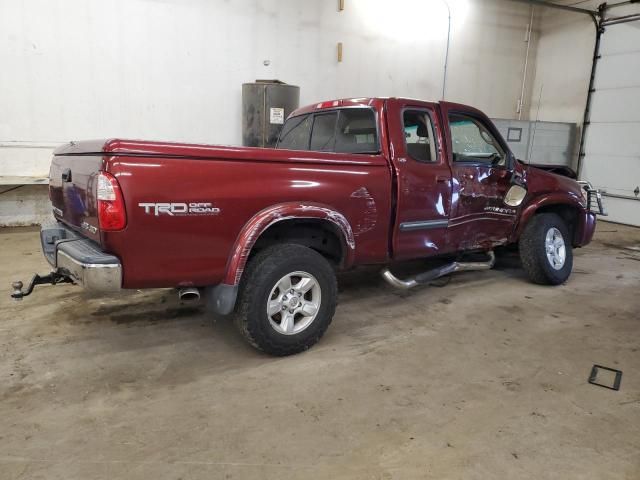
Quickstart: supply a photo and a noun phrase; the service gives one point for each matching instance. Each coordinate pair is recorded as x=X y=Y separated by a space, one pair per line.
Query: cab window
x=295 y=133
x=323 y=134
x=347 y=130
x=419 y=136
x=472 y=142
x=356 y=132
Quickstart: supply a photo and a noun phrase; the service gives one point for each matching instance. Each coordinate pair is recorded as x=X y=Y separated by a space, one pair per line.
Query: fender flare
x=264 y=219
x=545 y=200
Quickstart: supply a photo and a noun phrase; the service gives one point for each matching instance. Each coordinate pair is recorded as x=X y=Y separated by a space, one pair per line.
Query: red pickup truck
x=260 y=233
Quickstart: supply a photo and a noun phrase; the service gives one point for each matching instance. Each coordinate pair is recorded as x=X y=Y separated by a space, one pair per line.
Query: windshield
x=472 y=142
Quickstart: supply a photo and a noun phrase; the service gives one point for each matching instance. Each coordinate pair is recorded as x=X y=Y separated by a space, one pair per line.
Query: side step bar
x=431 y=275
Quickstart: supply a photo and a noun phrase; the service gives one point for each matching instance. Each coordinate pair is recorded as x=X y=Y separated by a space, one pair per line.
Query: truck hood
x=540 y=181
x=557 y=169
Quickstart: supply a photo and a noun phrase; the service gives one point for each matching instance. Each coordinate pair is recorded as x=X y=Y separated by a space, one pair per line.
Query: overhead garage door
x=612 y=143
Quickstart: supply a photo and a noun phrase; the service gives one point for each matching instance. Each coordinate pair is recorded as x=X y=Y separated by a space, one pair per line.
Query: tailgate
x=72 y=190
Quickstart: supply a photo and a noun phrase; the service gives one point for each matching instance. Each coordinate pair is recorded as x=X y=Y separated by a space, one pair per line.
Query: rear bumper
x=80 y=258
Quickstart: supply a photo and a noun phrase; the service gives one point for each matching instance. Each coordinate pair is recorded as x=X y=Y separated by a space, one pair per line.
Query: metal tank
x=265 y=106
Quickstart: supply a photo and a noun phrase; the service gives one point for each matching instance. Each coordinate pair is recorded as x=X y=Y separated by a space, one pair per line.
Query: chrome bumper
x=80 y=259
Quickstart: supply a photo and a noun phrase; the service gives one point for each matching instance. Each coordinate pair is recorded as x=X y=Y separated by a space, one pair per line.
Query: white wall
x=562 y=64
x=562 y=67
x=173 y=69
x=24 y=205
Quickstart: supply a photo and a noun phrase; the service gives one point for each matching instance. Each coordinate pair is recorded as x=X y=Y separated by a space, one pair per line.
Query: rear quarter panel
x=168 y=251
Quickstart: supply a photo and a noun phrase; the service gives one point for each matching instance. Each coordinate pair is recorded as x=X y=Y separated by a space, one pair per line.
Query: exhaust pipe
x=189 y=294
x=431 y=275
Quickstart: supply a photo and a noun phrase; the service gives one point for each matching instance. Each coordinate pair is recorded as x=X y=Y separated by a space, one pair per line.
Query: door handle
x=442 y=179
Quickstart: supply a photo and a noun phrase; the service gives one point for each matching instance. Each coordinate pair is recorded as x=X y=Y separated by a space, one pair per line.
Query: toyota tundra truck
x=261 y=233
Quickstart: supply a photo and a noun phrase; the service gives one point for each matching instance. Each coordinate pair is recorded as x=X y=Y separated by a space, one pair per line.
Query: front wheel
x=287 y=299
x=545 y=249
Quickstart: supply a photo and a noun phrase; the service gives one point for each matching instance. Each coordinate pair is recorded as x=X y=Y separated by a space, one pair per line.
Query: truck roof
x=341 y=102
x=372 y=102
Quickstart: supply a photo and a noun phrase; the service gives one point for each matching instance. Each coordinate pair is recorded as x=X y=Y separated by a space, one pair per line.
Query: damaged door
x=481 y=168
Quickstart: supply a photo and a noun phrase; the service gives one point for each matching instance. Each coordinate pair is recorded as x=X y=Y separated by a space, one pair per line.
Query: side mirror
x=517 y=178
x=510 y=163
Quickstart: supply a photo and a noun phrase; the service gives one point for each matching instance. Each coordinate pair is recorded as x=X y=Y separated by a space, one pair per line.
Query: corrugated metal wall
x=548 y=143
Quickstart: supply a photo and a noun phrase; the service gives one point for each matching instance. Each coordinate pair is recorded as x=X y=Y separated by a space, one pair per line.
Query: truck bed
x=227 y=187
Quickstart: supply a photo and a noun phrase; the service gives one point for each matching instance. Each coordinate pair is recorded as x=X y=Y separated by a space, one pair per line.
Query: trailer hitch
x=52 y=278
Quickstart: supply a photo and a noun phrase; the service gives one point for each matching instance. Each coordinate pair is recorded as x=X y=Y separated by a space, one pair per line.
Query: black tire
x=261 y=276
x=533 y=250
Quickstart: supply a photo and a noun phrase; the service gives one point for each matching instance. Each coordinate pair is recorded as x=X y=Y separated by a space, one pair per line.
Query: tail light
x=111 y=213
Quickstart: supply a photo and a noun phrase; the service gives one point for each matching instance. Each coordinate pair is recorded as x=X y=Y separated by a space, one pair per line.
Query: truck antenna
x=535 y=125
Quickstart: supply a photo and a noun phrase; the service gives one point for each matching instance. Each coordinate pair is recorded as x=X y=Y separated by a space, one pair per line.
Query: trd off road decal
x=178 y=209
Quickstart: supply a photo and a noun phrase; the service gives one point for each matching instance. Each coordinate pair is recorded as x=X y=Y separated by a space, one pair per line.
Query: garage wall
x=562 y=64
x=170 y=69
x=562 y=69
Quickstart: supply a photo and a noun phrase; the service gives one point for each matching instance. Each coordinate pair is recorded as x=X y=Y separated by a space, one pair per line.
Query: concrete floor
x=483 y=378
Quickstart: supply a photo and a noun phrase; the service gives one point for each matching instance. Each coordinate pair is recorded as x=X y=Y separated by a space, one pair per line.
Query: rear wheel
x=287 y=299
x=545 y=249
